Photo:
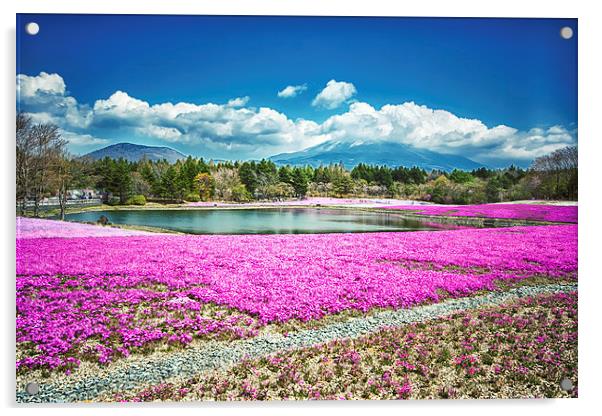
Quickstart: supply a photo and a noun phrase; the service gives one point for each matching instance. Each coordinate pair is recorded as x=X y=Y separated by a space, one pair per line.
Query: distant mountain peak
x=135 y=152
x=375 y=153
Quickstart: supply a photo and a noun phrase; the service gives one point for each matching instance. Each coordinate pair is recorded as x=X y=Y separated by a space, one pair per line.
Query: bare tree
x=24 y=159
x=225 y=180
x=48 y=145
x=39 y=146
x=60 y=177
x=561 y=167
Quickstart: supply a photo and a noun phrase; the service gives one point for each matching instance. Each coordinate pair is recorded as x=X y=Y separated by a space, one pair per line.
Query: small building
x=87 y=193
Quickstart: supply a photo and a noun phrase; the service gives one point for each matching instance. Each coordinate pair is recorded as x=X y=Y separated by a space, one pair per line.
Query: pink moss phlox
x=120 y=293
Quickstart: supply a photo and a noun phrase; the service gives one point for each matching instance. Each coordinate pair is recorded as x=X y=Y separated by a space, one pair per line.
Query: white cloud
x=83 y=139
x=442 y=131
x=169 y=134
x=43 y=117
x=262 y=131
x=121 y=105
x=292 y=91
x=239 y=131
x=238 y=102
x=44 y=97
x=44 y=83
x=334 y=94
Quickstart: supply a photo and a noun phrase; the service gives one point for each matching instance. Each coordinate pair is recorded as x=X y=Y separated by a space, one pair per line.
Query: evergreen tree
x=122 y=181
x=248 y=176
x=285 y=174
x=169 y=183
x=300 y=182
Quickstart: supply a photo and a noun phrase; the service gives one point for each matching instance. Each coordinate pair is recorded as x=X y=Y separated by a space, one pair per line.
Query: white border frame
x=590 y=136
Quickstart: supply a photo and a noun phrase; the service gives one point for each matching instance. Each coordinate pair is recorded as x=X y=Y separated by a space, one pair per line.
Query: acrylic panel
x=295 y=208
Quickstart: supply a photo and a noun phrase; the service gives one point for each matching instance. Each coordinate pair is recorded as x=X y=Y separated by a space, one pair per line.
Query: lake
x=261 y=221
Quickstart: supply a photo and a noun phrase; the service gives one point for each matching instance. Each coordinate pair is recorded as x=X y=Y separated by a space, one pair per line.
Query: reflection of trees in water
x=261 y=221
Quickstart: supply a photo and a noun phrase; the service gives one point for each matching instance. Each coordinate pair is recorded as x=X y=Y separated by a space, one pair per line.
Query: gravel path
x=216 y=355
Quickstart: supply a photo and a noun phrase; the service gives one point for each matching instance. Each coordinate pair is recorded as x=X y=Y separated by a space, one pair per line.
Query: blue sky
x=497 y=90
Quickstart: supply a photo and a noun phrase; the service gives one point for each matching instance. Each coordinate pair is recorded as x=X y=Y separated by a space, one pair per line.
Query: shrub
x=192 y=197
x=136 y=200
x=240 y=193
x=113 y=201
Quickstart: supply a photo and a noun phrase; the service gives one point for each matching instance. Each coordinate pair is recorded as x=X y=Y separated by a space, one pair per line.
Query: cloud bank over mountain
x=236 y=130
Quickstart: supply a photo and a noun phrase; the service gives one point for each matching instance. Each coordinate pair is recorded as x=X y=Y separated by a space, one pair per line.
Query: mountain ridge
x=135 y=152
x=375 y=153
x=349 y=153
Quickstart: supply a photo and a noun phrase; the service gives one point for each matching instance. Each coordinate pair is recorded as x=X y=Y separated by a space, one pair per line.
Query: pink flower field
x=43 y=228
x=365 y=202
x=535 y=212
x=101 y=298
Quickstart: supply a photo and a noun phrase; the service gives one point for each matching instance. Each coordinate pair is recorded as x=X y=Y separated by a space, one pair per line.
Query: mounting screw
x=32 y=28
x=32 y=388
x=566 y=384
x=566 y=32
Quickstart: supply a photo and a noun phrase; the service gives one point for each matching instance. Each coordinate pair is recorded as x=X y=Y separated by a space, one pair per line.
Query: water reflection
x=261 y=221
